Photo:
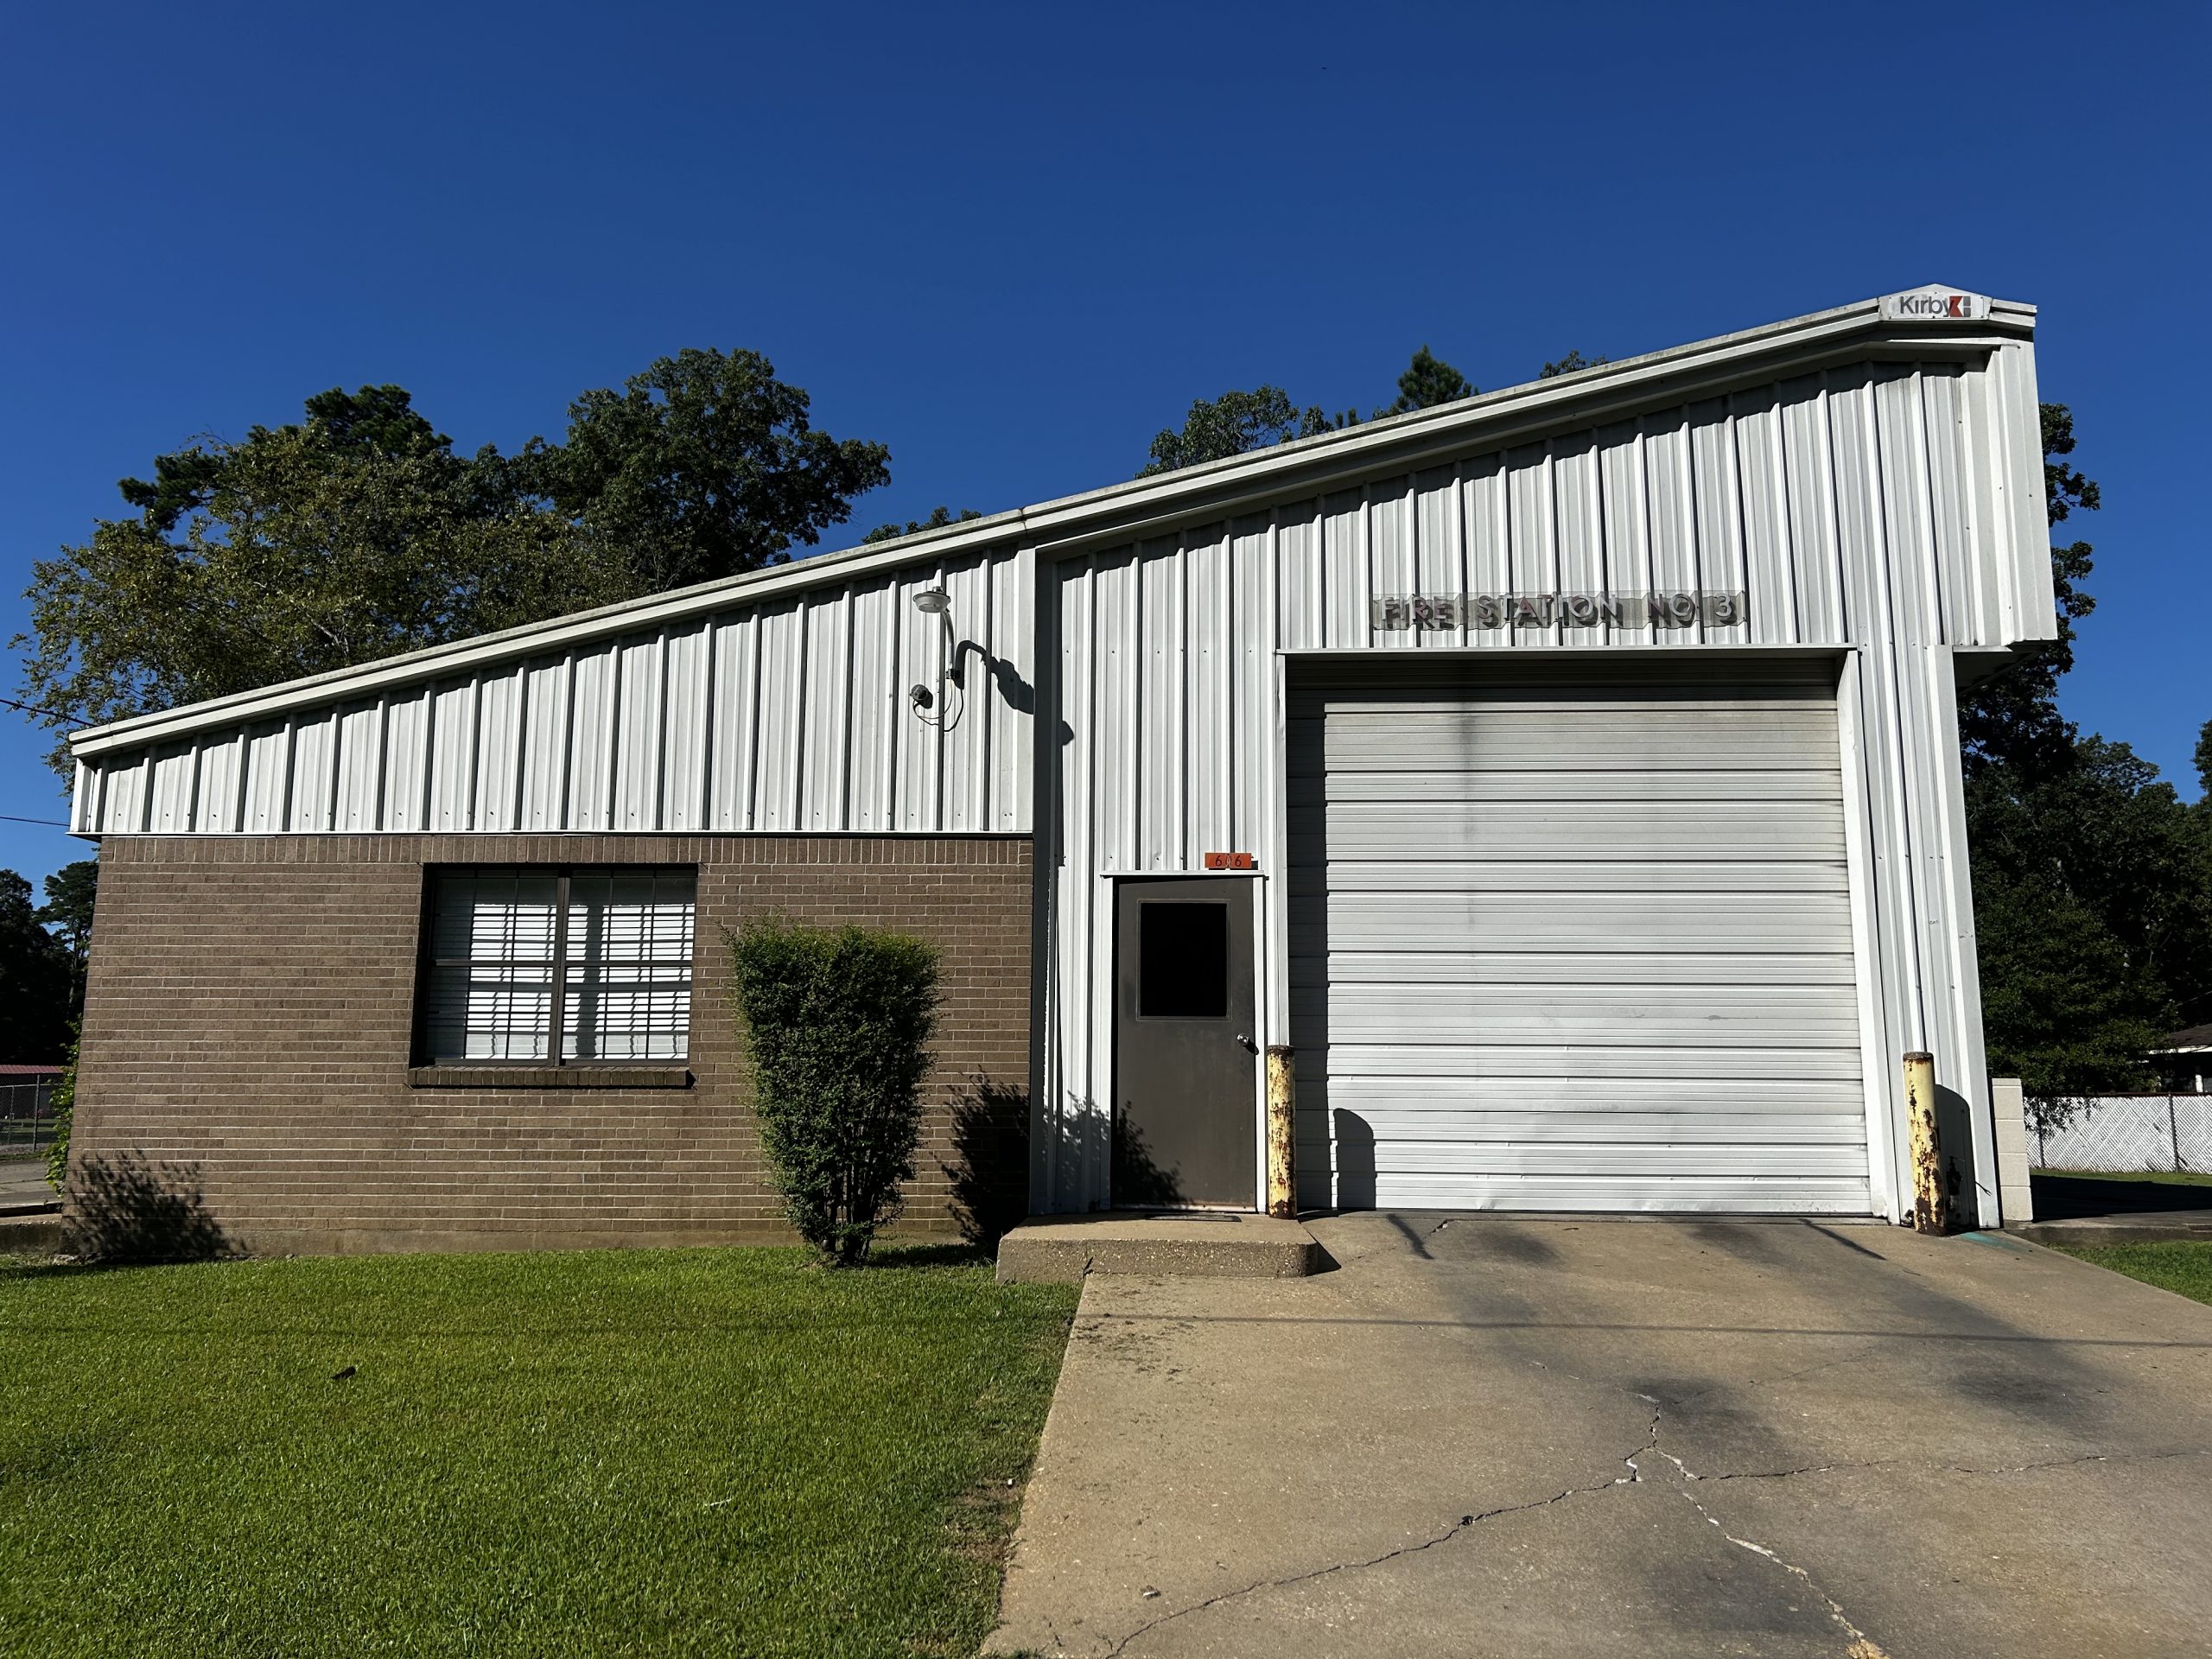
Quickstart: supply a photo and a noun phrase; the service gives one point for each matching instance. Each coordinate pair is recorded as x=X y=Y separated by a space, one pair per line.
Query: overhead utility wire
x=47 y=713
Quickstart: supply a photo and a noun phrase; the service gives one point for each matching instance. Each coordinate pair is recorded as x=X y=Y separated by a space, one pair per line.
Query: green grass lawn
x=686 y=1452
x=2183 y=1265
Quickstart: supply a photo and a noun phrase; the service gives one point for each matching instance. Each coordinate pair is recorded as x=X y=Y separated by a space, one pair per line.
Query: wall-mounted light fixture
x=934 y=601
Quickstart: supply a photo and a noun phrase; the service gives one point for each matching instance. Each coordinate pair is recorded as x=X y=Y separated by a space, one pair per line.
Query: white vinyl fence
x=2120 y=1132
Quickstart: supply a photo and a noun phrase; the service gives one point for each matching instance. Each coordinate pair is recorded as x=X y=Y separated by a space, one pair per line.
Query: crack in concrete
x=1859 y=1644
x=1862 y=1646
x=1465 y=1524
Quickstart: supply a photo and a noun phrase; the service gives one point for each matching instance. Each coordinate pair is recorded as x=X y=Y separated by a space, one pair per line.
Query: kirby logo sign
x=1936 y=305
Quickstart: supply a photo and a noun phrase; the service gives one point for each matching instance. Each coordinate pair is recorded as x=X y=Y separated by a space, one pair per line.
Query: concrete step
x=30 y=1234
x=1212 y=1243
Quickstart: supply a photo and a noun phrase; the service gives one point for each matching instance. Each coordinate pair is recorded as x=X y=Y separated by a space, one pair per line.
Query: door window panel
x=1183 y=962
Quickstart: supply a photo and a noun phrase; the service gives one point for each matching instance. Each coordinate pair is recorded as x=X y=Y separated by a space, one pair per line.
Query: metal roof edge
x=1590 y=396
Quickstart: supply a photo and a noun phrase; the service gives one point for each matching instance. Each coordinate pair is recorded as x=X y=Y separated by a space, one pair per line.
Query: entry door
x=1183 y=1048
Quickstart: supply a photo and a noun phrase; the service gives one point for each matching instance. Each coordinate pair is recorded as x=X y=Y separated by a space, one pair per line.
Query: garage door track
x=1486 y=1435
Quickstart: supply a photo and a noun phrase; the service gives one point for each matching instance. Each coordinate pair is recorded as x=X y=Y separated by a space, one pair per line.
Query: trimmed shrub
x=837 y=1027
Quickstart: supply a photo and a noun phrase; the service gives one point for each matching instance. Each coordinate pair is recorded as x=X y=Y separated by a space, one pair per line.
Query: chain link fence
x=2123 y=1134
x=26 y=1125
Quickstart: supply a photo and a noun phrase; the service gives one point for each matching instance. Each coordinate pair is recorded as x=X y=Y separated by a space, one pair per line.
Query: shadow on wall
x=990 y=1132
x=1954 y=1136
x=1139 y=1181
x=991 y=1145
x=126 y=1209
x=989 y=1169
x=1344 y=1175
x=1355 y=1148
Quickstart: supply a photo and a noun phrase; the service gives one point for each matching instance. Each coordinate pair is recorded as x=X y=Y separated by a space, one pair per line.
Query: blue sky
x=1012 y=242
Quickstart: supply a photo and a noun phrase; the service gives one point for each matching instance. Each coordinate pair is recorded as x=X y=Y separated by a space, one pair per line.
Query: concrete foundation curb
x=2161 y=1228
x=1217 y=1245
x=30 y=1234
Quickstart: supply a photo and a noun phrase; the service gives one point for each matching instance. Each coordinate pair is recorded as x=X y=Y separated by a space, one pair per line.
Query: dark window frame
x=427 y=963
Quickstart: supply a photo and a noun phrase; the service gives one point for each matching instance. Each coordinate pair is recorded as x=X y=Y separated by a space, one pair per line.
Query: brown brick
x=252 y=1007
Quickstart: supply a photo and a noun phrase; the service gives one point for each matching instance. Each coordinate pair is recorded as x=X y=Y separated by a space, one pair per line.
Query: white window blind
x=554 y=967
x=627 y=995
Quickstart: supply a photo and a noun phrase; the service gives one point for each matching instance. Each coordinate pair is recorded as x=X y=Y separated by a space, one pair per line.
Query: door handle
x=1253 y=1047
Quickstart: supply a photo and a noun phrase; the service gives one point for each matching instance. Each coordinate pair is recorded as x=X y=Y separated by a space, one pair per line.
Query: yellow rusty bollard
x=1931 y=1201
x=1282 y=1135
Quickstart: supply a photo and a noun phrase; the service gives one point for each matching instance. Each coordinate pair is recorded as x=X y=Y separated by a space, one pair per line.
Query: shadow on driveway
x=2078 y=1198
x=1491 y=1434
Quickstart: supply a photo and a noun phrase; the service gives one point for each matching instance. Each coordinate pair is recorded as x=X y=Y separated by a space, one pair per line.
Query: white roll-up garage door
x=1574 y=946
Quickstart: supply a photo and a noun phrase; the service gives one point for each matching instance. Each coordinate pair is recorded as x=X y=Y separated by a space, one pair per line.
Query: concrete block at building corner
x=2007 y=1110
x=30 y=1234
x=1216 y=1244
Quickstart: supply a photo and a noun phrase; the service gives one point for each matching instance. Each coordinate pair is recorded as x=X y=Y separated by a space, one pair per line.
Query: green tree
x=1428 y=380
x=1234 y=423
x=1314 y=420
x=2093 y=880
x=1237 y=422
x=703 y=466
x=938 y=518
x=2013 y=718
x=1571 y=363
x=35 y=981
x=300 y=550
x=376 y=420
x=2092 y=893
x=359 y=532
x=71 y=892
x=2057 y=1007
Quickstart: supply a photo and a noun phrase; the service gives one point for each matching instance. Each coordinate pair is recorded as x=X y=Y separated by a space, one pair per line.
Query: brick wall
x=251 y=1009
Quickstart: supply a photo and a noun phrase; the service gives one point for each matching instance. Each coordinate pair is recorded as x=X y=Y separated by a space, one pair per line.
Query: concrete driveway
x=22 y=1185
x=1583 y=1438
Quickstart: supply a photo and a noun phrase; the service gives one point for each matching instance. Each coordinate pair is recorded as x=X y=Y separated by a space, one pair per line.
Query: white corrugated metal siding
x=1575 y=946
x=786 y=715
x=1883 y=508
x=1870 y=487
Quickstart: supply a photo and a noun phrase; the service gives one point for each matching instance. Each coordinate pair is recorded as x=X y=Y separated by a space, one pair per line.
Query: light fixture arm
x=934 y=601
x=954 y=648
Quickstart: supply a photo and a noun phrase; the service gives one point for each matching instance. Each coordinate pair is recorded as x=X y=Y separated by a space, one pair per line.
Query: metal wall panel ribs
x=1873 y=510
x=788 y=715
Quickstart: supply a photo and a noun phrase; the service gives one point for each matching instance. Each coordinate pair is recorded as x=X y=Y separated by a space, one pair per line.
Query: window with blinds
x=557 y=967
